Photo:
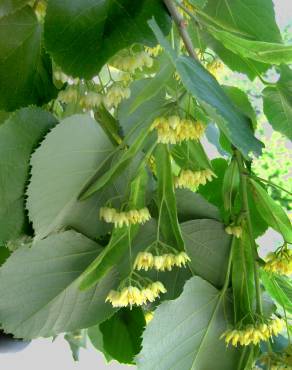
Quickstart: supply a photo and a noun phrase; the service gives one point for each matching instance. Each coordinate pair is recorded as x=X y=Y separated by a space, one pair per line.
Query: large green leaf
x=271 y=212
x=205 y=88
x=10 y=6
x=208 y=246
x=121 y=237
x=184 y=333
x=278 y=103
x=166 y=202
x=25 y=69
x=96 y=338
x=279 y=288
x=122 y=334
x=252 y=18
x=39 y=288
x=19 y=135
x=266 y=52
x=61 y=167
x=82 y=35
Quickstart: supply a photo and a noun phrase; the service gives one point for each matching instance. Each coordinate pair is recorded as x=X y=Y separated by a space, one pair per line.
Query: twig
x=181 y=25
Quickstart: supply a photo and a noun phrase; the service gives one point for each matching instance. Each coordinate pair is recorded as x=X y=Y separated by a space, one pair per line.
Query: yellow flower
x=144 y=260
x=192 y=179
x=168 y=260
x=215 y=67
x=130 y=63
x=69 y=95
x=157 y=287
x=279 y=262
x=253 y=334
x=154 y=52
x=173 y=129
x=91 y=100
x=235 y=230
x=115 y=95
x=119 y=219
x=181 y=259
x=148 y=316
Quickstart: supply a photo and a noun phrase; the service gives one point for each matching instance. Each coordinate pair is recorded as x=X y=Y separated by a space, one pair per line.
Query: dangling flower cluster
x=173 y=129
x=253 y=334
x=119 y=219
x=192 y=179
x=91 y=100
x=61 y=76
x=131 y=295
x=279 y=262
x=235 y=230
x=154 y=52
x=215 y=67
x=115 y=95
x=146 y=261
x=130 y=63
x=69 y=95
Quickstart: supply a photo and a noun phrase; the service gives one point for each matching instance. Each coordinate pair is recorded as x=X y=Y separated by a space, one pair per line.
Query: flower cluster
x=115 y=95
x=215 y=67
x=192 y=179
x=173 y=129
x=279 y=262
x=131 y=295
x=69 y=95
x=146 y=261
x=91 y=100
x=119 y=219
x=130 y=63
x=253 y=334
x=154 y=52
x=235 y=230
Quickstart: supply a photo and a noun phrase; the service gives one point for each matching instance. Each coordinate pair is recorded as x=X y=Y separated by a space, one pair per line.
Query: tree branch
x=181 y=25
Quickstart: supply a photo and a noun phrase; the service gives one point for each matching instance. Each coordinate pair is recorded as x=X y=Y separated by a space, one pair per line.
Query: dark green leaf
x=199 y=3
x=82 y=35
x=61 y=167
x=270 y=211
x=4 y=254
x=122 y=334
x=279 y=288
x=25 y=69
x=166 y=202
x=120 y=239
x=278 y=103
x=19 y=136
x=208 y=246
x=10 y=6
x=39 y=288
x=96 y=338
x=184 y=333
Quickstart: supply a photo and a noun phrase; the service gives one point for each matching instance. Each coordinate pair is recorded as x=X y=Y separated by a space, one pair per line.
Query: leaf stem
x=181 y=25
x=229 y=264
x=245 y=209
x=271 y=184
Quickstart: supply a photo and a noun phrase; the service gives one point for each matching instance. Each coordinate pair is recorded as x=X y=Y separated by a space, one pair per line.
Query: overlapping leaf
x=10 y=6
x=39 y=288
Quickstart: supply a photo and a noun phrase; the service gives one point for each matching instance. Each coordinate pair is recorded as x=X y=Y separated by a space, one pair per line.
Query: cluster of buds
x=174 y=130
x=192 y=179
x=131 y=295
x=279 y=262
x=154 y=52
x=254 y=334
x=130 y=63
x=90 y=100
x=235 y=230
x=120 y=219
x=115 y=95
x=146 y=261
x=69 y=95
x=215 y=67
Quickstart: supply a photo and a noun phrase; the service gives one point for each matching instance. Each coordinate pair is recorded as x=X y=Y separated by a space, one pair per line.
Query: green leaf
x=184 y=333
x=230 y=185
x=4 y=254
x=39 y=288
x=122 y=334
x=10 y=6
x=25 y=69
x=166 y=202
x=208 y=246
x=96 y=338
x=76 y=340
x=82 y=35
x=243 y=277
x=252 y=18
x=266 y=52
x=278 y=103
x=191 y=206
x=68 y=157
x=279 y=288
x=19 y=136
x=270 y=211
x=199 y=3
x=120 y=238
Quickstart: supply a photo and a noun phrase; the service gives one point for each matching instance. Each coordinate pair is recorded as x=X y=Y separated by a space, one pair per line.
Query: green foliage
x=10 y=6
x=191 y=340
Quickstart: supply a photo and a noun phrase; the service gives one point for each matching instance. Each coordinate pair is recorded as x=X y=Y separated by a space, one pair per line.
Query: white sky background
x=43 y=355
